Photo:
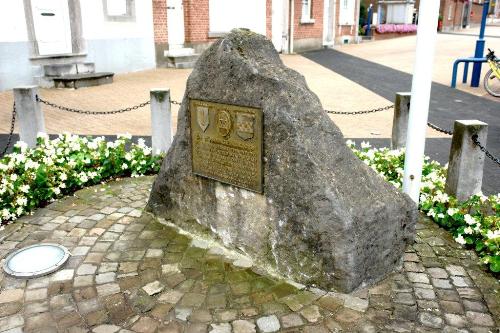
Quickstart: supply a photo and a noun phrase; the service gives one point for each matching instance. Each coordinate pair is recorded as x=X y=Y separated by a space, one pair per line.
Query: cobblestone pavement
x=129 y=273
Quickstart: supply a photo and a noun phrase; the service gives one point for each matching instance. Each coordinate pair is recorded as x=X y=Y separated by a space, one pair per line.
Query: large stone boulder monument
x=257 y=163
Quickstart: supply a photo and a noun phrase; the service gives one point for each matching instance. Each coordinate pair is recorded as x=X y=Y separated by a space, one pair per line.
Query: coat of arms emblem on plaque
x=202 y=117
x=245 y=125
x=224 y=123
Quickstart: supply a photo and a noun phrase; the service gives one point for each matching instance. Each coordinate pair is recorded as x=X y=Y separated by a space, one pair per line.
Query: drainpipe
x=292 y=19
x=334 y=21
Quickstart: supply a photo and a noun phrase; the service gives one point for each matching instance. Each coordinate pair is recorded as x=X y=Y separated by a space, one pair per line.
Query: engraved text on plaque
x=226 y=143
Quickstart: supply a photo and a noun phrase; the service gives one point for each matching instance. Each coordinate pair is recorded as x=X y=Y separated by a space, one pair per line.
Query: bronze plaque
x=226 y=143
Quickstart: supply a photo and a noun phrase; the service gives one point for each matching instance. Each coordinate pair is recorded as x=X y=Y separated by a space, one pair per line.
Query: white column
x=420 y=96
x=161 y=120
x=29 y=114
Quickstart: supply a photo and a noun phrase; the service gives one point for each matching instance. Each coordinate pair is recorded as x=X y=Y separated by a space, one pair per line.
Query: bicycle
x=492 y=77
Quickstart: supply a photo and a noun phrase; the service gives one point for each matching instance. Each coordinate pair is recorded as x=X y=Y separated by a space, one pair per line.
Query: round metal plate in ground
x=35 y=260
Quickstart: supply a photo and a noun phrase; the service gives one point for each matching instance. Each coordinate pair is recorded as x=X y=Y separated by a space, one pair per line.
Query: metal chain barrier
x=483 y=149
x=439 y=129
x=385 y=108
x=100 y=113
x=11 y=132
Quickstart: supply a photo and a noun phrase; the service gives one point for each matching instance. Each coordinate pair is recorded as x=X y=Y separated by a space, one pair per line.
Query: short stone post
x=465 y=166
x=29 y=114
x=161 y=120
x=400 y=120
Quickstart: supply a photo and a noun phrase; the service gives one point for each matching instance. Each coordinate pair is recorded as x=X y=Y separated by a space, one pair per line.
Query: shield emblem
x=245 y=125
x=202 y=117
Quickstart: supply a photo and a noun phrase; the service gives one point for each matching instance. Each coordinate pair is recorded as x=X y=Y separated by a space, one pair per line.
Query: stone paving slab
x=130 y=273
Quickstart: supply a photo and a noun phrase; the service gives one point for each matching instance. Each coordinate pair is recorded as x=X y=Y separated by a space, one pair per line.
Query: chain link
x=439 y=129
x=388 y=107
x=11 y=133
x=483 y=149
x=100 y=113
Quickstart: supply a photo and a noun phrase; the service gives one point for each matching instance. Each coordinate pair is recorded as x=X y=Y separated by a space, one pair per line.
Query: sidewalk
x=335 y=92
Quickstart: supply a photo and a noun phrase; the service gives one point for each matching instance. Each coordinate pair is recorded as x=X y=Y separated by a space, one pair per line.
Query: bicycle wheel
x=492 y=83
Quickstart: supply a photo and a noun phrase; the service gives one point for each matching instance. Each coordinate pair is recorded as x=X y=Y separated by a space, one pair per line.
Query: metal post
x=400 y=120
x=420 y=92
x=466 y=161
x=369 y=20
x=29 y=114
x=161 y=120
x=479 y=52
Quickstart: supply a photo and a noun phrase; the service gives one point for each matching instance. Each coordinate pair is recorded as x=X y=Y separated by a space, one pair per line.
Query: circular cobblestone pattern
x=130 y=273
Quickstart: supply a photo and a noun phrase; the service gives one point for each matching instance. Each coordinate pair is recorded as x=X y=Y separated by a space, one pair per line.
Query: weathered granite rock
x=325 y=218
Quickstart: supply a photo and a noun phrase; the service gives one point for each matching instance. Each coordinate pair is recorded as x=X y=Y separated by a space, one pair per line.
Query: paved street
x=130 y=273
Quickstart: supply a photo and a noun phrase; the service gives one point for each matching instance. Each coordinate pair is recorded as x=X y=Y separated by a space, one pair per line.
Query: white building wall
x=116 y=46
x=225 y=15
x=15 y=66
x=113 y=46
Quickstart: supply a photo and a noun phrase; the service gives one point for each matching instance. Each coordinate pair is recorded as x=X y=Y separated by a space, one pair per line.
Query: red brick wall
x=476 y=14
x=269 y=21
x=196 y=22
x=160 y=21
x=308 y=30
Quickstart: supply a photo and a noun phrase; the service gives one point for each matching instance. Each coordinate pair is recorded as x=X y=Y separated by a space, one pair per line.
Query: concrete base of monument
x=318 y=216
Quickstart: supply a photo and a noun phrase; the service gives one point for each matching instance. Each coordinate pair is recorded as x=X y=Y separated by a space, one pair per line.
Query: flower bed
x=30 y=178
x=396 y=28
x=474 y=223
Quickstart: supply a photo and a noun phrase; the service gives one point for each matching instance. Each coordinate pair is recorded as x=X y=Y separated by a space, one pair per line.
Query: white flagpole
x=420 y=96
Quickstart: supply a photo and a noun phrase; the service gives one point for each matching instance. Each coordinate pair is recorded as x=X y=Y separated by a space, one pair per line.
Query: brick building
x=184 y=28
x=459 y=14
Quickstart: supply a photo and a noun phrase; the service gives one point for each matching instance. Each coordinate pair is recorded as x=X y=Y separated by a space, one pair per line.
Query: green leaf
x=495 y=264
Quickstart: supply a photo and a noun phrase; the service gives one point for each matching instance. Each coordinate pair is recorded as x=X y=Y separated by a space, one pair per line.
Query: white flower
x=440 y=215
x=23 y=146
x=493 y=234
x=469 y=219
x=141 y=142
x=124 y=166
x=452 y=211
x=63 y=176
x=431 y=212
x=365 y=145
x=57 y=190
x=13 y=177
x=71 y=163
x=24 y=188
x=124 y=136
x=31 y=165
x=5 y=213
x=460 y=239
x=128 y=156
x=350 y=143
x=22 y=201
x=83 y=177
x=468 y=231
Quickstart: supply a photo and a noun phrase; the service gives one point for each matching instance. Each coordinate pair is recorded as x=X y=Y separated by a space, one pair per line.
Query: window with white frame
x=306 y=16
x=347 y=11
x=119 y=10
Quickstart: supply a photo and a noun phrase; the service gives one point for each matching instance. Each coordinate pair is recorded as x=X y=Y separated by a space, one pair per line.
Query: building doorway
x=51 y=26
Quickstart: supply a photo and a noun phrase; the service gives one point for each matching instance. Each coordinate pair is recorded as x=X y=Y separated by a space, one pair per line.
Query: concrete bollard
x=400 y=121
x=161 y=120
x=29 y=114
x=465 y=166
